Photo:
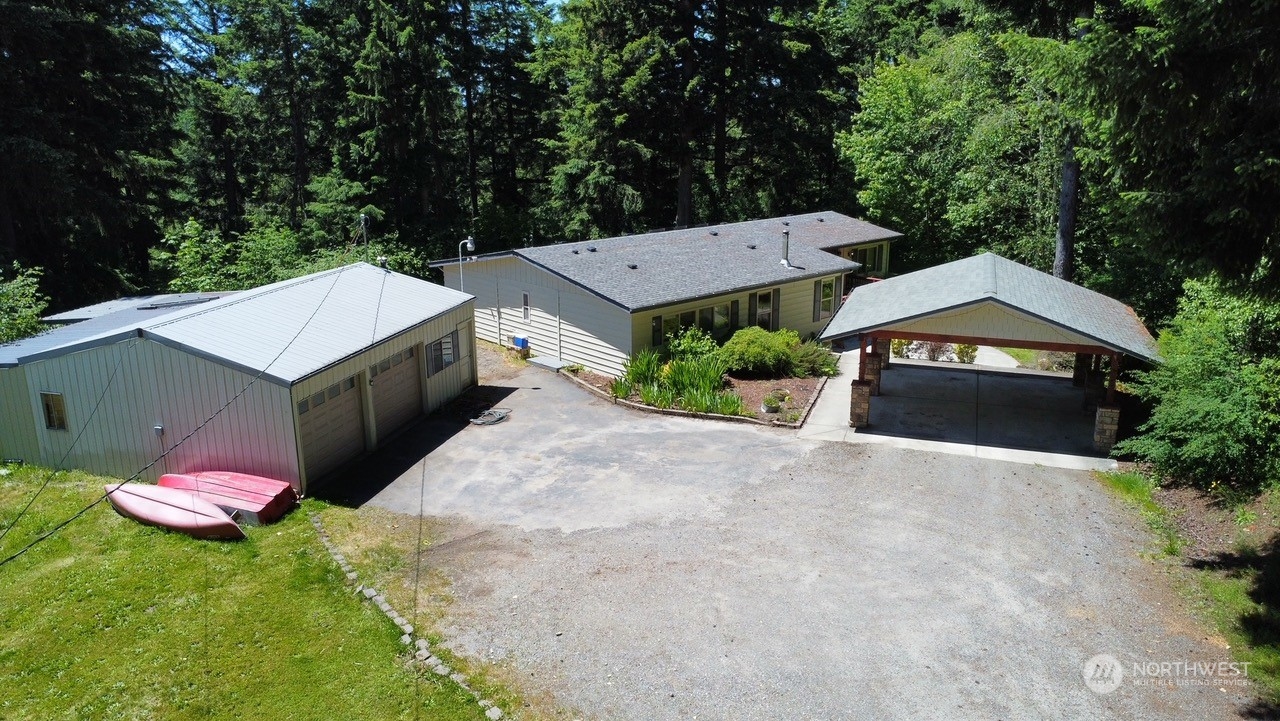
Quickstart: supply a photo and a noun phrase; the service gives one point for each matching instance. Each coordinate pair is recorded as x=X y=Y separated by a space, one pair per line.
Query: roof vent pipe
x=786 y=247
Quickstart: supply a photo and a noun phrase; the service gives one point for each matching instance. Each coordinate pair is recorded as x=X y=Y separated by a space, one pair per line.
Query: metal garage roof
x=310 y=323
x=1019 y=293
x=121 y=317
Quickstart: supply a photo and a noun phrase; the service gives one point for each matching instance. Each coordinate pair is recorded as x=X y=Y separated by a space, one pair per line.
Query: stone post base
x=1106 y=424
x=871 y=373
x=882 y=348
x=860 y=405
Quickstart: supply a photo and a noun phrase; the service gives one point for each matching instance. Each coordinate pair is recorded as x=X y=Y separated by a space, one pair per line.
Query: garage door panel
x=331 y=426
x=397 y=391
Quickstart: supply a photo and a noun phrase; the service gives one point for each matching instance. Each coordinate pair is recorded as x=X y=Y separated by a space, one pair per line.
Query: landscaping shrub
x=935 y=350
x=620 y=388
x=657 y=396
x=758 y=352
x=898 y=347
x=643 y=368
x=966 y=353
x=813 y=359
x=1216 y=420
x=704 y=374
x=729 y=403
x=698 y=400
x=692 y=342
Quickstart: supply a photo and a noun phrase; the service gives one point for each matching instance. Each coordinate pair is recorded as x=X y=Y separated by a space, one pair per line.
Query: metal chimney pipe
x=786 y=247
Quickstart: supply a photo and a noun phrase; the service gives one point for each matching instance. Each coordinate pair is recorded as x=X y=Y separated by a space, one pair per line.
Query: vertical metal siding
x=154 y=385
x=440 y=388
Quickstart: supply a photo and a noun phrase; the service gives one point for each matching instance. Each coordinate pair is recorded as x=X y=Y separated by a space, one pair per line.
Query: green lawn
x=1240 y=596
x=1025 y=356
x=112 y=619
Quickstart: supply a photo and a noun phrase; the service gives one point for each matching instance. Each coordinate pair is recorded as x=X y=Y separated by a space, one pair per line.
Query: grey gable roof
x=991 y=278
x=680 y=265
x=286 y=330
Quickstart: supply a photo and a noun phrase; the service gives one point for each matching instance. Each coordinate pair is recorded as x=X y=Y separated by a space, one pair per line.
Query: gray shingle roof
x=354 y=307
x=680 y=265
x=990 y=278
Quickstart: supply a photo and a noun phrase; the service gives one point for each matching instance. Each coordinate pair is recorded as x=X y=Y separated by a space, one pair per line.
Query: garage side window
x=55 y=411
x=443 y=353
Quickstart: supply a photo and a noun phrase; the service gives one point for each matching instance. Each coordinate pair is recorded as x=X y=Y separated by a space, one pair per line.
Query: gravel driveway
x=644 y=567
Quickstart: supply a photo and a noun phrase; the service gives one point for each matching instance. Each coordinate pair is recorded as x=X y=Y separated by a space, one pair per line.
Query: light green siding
x=565 y=321
x=117 y=395
x=795 y=303
x=17 y=423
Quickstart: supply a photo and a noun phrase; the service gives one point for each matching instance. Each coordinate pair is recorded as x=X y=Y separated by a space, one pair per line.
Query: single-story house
x=290 y=380
x=597 y=302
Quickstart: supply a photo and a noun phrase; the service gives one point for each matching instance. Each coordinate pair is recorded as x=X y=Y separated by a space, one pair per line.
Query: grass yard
x=111 y=619
x=1236 y=589
x=1026 y=357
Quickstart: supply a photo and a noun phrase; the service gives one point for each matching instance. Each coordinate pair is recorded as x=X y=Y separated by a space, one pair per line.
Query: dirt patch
x=752 y=390
x=798 y=390
x=1213 y=528
x=495 y=363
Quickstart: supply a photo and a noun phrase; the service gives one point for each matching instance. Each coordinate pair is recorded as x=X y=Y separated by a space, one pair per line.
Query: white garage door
x=331 y=427
x=397 y=395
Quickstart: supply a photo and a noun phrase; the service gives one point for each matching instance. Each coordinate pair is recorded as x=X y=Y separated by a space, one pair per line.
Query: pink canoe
x=171 y=508
x=258 y=500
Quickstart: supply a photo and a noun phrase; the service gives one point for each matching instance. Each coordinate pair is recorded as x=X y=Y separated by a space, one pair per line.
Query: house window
x=824 y=299
x=870 y=257
x=443 y=353
x=55 y=411
x=720 y=321
x=688 y=319
x=524 y=311
x=764 y=310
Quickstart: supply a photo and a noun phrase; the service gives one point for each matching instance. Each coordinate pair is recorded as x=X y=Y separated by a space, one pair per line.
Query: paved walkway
x=950 y=421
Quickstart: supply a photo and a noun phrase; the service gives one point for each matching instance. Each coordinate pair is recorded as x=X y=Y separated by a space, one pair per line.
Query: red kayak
x=171 y=508
x=258 y=500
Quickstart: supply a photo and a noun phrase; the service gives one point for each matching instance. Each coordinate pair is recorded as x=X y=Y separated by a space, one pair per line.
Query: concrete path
x=931 y=407
x=995 y=358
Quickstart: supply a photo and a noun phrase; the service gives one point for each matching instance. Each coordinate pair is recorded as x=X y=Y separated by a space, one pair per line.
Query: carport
x=991 y=301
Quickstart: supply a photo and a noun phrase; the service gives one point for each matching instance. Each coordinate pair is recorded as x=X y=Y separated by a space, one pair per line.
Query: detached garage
x=291 y=380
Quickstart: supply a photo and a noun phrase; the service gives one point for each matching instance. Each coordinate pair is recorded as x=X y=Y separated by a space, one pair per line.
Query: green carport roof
x=994 y=299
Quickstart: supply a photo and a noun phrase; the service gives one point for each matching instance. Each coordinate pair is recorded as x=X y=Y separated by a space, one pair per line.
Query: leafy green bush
x=898 y=347
x=813 y=359
x=620 y=388
x=692 y=342
x=966 y=353
x=756 y=351
x=1216 y=420
x=643 y=367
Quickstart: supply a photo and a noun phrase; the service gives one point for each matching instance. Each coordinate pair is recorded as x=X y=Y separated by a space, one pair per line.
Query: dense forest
x=1130 y=145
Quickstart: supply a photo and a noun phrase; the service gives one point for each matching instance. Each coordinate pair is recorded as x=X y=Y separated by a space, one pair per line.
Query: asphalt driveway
x=632 y=566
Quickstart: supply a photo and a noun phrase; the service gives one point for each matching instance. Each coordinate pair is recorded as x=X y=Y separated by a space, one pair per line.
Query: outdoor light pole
x=471 y=246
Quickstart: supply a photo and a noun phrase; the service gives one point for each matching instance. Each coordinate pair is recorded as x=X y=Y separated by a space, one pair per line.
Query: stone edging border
x=422 y=655
x=689 y=414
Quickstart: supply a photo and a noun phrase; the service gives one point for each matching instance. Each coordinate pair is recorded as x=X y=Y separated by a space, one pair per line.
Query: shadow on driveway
x=363 y=479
